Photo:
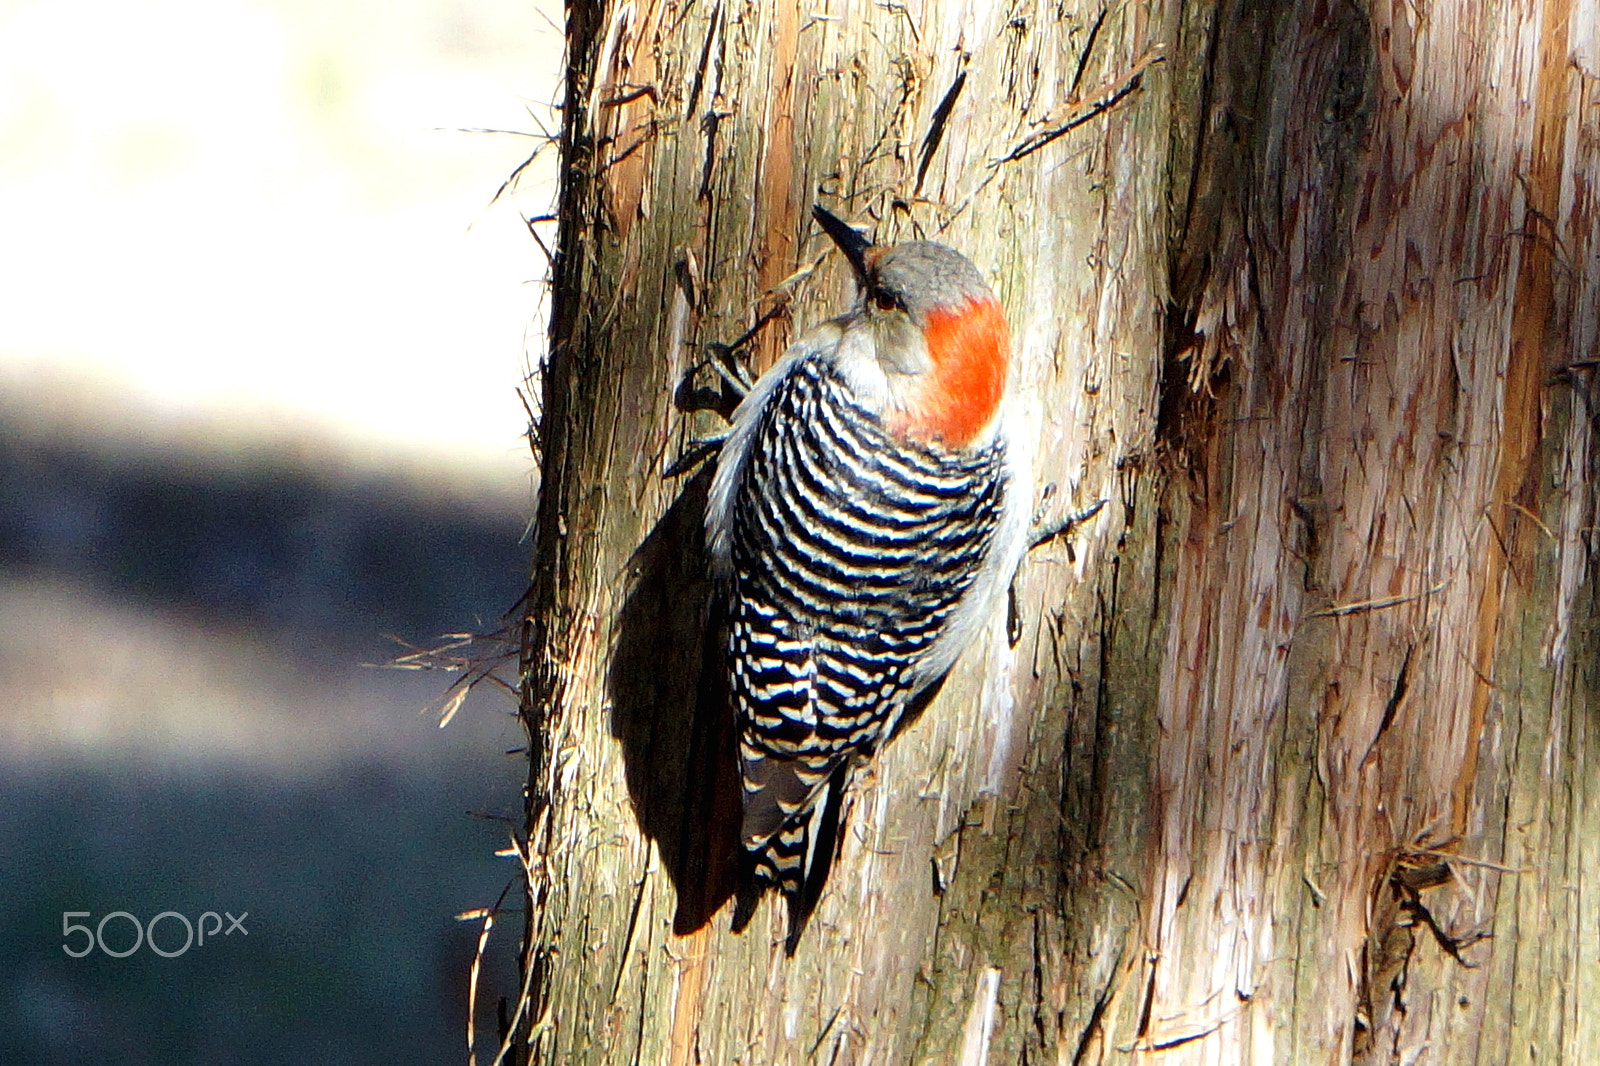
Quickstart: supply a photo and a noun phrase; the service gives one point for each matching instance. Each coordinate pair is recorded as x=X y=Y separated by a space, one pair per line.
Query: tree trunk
x=1293 y=760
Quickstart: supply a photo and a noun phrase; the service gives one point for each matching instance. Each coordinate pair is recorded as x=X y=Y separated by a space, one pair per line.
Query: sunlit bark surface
x=1292 y=762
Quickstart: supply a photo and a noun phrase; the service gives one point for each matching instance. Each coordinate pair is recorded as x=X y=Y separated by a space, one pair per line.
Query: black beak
x=850 y=240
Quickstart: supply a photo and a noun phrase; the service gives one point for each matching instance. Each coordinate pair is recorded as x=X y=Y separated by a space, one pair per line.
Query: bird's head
x=935 y=331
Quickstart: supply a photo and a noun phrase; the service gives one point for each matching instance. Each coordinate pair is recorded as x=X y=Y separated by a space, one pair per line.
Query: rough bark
x=1308 y=292
x=1378 y=670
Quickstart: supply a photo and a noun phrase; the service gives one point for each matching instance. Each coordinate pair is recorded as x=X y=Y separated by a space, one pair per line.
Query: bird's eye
x=885 y=300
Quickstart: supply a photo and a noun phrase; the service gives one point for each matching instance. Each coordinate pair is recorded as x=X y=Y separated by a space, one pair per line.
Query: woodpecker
x=869 y=509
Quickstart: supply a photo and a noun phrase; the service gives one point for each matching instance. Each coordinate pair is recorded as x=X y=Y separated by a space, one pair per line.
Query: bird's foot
x=696 y=453
x=1039 y=535
x=1043 y=533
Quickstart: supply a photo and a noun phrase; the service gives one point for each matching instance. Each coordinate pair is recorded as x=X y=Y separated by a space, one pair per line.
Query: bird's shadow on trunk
x=670 y=711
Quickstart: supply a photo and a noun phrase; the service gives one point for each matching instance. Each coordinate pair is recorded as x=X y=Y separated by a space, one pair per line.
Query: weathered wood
x=1378 y=640
x=1309 y=293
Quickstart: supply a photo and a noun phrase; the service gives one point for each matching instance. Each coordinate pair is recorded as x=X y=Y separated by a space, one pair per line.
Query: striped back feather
x=850 y=548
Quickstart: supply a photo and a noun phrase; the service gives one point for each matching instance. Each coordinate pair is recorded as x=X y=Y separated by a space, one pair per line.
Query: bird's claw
x=1043 y=533
x=697 y=452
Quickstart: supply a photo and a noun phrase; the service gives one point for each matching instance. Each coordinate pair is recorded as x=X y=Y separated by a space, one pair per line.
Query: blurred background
x=262 y=324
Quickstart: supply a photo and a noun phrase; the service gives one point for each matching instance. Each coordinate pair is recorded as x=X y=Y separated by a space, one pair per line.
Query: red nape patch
x=970 y=347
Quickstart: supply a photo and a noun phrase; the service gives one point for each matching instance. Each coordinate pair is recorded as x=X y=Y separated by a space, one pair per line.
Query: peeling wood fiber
x=1406 y=196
